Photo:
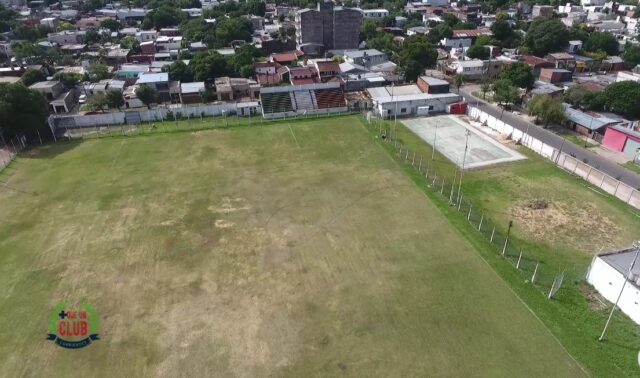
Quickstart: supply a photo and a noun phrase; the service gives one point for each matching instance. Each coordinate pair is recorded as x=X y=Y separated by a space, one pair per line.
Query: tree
x=146 y=94
x=502 y=31
x=130 y=43
x=417 y=54
x=631 y=56
x=545 y=36
x=519 y=74
x=231 y=29
x=466 y=25
x=65 y=26
x=97 y=102
x=162 y=17
x=69 y=79
x=505 y=92
x=458 y=81
x=22 y=110
x=370 y=28
x=111 y=24
x=114 y=98
x=91 y=36
x=179 y=71
x=575 y=96
x=622 y=97
x=208 y=66
x=546 y=109
x=98 y=72
x=478 y=52
x=601 y=41
x=485 y=86
x=32 y=76
x=7 y=18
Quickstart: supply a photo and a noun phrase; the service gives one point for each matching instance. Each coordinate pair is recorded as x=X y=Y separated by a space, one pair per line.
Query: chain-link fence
x=9 y=149
x=445 y=180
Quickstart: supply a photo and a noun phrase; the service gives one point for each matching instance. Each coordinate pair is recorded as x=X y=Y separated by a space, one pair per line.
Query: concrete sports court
x=449 y=134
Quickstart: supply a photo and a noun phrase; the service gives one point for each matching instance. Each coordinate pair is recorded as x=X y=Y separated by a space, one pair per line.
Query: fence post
x=442 y=187
x=459 y=202
x=413 y=160
x=480 y=225
x=493 y=232
x=519 y=258
x=420 y=164
x=535 y=272
x=469 y=215
x=406 y=156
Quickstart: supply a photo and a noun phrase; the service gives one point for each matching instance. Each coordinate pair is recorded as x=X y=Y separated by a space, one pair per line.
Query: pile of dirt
x=581 y=227
x=538 y=204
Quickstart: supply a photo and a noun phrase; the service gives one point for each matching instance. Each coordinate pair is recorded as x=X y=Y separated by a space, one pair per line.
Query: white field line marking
x=115 y=158
x=293 y=135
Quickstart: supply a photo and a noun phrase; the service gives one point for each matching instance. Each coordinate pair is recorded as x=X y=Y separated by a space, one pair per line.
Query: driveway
x=556 y=141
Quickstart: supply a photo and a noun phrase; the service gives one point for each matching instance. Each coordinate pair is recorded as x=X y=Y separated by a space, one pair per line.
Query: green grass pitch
x=296 y=249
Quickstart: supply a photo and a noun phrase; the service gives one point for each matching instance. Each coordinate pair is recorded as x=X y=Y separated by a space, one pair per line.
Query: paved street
x=556 y=141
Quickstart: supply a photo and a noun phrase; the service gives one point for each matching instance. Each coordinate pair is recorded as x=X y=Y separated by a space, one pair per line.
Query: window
x=430 y=107
x=403 y=110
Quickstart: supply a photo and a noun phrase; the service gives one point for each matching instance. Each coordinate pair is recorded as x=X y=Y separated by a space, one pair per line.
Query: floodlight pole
x=624 y=284
x=433 y=148
x=464 y=157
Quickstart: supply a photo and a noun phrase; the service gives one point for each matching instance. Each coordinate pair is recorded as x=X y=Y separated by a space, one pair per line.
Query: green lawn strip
x=569 y=316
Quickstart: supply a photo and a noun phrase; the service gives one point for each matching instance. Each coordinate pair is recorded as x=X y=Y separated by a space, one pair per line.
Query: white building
x=409 y=100
x=607 y=275
x=376 y=14
x=471 y=69
x=164 y=43
x=146 y=35
x=365 y=58
x=627 y=76
x=436 y=3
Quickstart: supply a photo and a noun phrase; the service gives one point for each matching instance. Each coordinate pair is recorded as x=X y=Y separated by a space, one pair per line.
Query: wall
x=570 y=164
x=156 y=114
x=609 y=281
x=614 y=139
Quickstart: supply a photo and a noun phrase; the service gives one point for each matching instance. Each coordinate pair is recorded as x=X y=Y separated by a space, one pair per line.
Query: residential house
x=588 y=123
x=236 y=89
x=432 y=85
x=562 y=60
x=555 y=75
x=60 y=101
x=365 y=58
x=191 y=93
x=158 y=81
x=535 y=63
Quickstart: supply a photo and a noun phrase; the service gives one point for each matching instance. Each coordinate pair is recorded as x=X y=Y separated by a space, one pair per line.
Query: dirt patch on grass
x=582 y=227
x=596 y=301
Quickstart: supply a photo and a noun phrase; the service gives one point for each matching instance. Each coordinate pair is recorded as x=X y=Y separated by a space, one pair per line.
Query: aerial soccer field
x=297 y=249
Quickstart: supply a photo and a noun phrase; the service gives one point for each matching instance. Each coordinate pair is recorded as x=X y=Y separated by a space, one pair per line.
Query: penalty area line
x=293 y=135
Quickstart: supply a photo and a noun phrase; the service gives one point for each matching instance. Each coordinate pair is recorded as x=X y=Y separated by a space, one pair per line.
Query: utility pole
x=624 y=284
x=433 y=148
x=464 y=157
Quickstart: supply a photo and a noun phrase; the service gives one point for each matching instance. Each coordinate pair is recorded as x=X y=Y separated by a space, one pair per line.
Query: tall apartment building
x=327 y=28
